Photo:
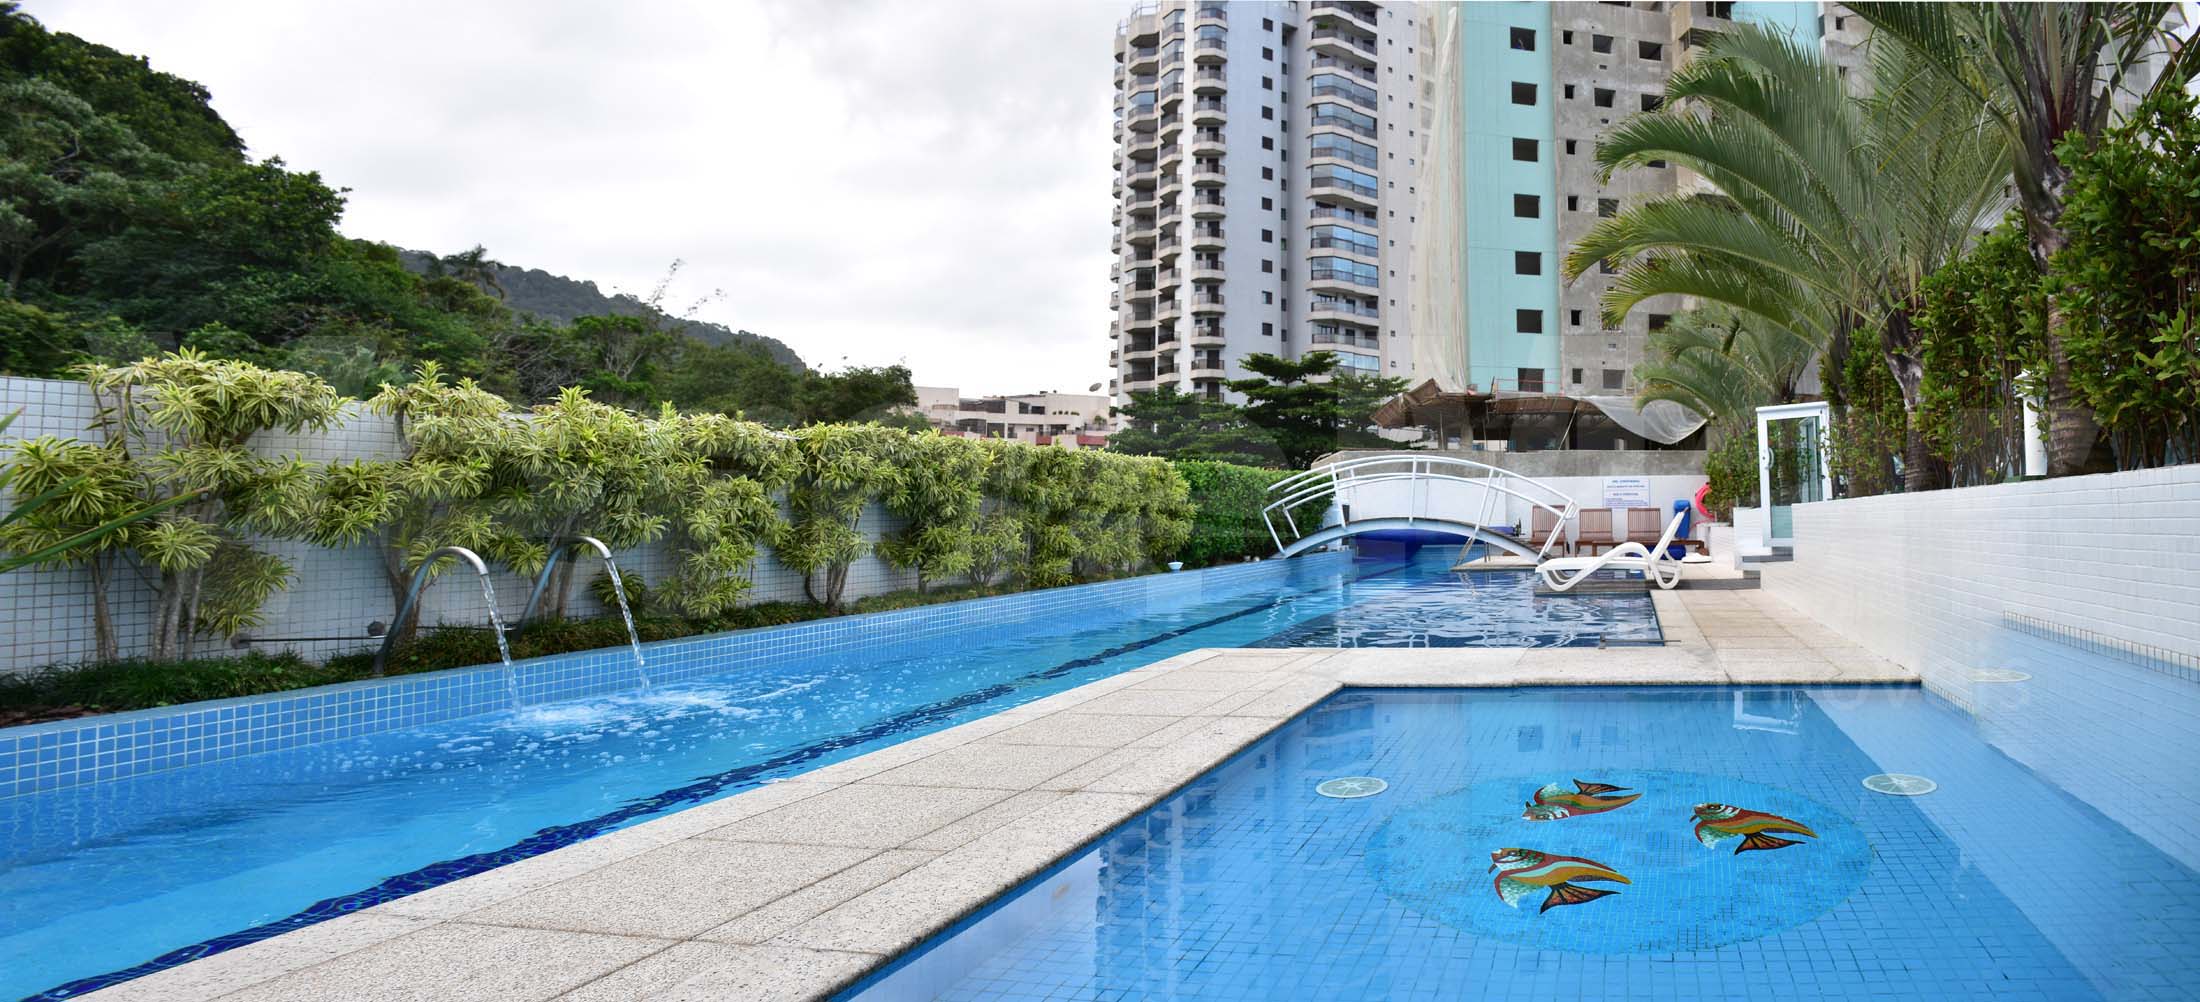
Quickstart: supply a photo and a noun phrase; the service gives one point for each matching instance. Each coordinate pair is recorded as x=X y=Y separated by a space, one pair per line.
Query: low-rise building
x=1076 y=420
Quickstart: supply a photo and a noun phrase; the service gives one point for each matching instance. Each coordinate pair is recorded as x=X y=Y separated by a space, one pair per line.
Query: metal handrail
x=1328 y=478
x=412 y=597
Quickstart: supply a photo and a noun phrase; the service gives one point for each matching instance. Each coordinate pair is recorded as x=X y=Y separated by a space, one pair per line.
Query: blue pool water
x=111 y=880
x=1249 y=885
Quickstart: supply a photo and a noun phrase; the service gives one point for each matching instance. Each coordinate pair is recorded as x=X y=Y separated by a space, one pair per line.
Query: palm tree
x=473 y=266
x=2042 y=72
x=1723 y=364
x=1829 y=210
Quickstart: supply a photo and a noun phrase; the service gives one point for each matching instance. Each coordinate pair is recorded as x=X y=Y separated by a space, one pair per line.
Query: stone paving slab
x=793 y=890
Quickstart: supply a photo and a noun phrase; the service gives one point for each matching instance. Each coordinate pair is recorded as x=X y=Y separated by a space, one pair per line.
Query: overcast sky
x=871 y=182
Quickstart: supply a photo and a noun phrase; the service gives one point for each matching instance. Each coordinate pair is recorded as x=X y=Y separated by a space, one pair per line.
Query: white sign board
x=1627 y=492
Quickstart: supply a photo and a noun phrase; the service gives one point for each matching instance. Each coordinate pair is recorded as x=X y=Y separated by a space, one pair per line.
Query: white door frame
x=1819 y=409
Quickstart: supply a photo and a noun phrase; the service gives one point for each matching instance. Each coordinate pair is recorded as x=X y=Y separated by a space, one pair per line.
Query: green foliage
x=1980 y=318
x=840 y=470
x=2129 y=279
x=1173 y=424
x=1869 y=429
x=720 y=494
x=170 y=114
x=1732 y=471
x=1723 y=364
x=939 y=500
x=1309 y=407
x=116 y=686
x=1226 y=502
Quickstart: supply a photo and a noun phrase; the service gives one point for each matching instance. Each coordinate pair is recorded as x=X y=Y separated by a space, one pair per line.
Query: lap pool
x=102 y=881
x=1251 y=884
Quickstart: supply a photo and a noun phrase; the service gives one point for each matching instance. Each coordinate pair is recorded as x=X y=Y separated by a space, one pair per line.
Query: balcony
x=1349 y=67
x=1356 y=247
x=1343 y=188
x=1204 y=300
x=1340 y=123
x=1166 y=310
x=1166 y=338
x=1347 y=309
x=1207 y=175
x=1361 y=11
x=1210 y=50
x=1207 y=142
x=1207 y=236
x=1344 y=154
x=1349 y=216
x=1207 y=204
x=1145 y=59
x=1209 y=111
x=1360 y=96
x=1344 y=338
x=1341 y=42
x=1210 y=80
x=1206 y=365
x=1213 y=12
x=1338 y=276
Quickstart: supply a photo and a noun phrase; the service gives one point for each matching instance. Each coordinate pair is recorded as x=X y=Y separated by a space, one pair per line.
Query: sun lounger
x=1656 y=563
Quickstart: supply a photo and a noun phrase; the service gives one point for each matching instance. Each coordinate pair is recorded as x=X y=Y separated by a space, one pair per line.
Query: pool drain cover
x=1351 y=787
x=1999 y=675
x=1895 y=784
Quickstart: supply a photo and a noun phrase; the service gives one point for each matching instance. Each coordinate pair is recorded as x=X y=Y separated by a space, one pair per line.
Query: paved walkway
x=793 y=890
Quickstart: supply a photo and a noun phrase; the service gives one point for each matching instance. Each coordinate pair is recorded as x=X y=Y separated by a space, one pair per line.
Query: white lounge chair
x=1656 y=563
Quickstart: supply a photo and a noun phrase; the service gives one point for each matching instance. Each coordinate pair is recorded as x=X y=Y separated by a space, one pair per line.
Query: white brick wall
x=332 y=593
x=1925 y=579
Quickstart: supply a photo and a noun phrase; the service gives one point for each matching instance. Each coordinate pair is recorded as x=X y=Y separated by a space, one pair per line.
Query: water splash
x=618 y=588
x=504 y=650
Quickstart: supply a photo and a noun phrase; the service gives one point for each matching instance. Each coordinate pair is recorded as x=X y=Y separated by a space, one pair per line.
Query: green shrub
x=138 y=684
x=1226 y=511
x=1732 y=470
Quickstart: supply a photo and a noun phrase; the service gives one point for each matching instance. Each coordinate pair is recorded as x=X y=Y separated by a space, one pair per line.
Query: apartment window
x=1567 y=37
x=1267 y=203
x=1606 y=267
x=1267 y=24
x=1607 y=207
x=1604 y=96
x=1268 y=83
x=1267 y=142
x=1840 y=24
x=1527 y=263
x=1524 y=150
x=1268 y=299
x=1528 y=321
x=1268 y=173
x=1650 y=50
x=1569 y=92
x=1573 y=203
x=1523 y=39
x=1268 y=330
x=1570 y=146
x=1652 y=102
x=1600 y=43
x=1615 y=378
x=1268 y=53
x=1523 y=93
x=1529 y=380
x=1577 y=377
x=1527 y=206
x=1573 y=319
x=1657 y=165
x=1268 y=266
x=1268 y=113
x=1659 y=320
x=1722 y=10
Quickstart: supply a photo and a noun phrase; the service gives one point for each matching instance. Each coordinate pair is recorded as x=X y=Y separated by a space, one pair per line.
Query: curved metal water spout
x=558 y=549
x=412 y=597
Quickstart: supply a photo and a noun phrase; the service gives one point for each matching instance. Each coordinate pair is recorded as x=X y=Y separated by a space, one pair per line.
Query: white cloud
x=865 y=180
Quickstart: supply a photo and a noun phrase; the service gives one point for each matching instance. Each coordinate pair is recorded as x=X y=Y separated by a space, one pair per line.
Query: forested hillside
x=131 y=221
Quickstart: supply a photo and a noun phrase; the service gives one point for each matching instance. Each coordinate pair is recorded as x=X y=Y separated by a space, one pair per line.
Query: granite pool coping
x=796 y=889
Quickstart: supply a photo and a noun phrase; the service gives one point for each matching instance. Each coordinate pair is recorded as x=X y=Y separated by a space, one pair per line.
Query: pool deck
x=794 y=890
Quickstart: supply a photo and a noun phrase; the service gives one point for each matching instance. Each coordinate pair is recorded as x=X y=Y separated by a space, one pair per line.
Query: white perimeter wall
x=45 y=615
x=1922 y=579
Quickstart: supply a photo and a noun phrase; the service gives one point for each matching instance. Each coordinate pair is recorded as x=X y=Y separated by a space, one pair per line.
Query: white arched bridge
x=1475 y=501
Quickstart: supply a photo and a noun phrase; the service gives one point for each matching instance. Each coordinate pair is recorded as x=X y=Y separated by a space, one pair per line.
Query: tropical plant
x=2047 y=77
x=1723 y=364
x=77 y=510
x=1226 y=502
x=1310 y=407
x=2128 y=279
x=938 y=499
x=181 y=424
x=576 y=467
x=1830 y=210
x=1979 y=318
x=1173 y=424
x=841 y=469
x=720 y=494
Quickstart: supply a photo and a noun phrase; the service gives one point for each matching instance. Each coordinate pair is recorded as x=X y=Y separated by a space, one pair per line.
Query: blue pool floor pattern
x=105 y=883
x=1246 y=885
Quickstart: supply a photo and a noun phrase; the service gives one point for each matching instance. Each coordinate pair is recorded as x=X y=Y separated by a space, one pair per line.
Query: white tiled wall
x=1925 y=579
x=332 y=593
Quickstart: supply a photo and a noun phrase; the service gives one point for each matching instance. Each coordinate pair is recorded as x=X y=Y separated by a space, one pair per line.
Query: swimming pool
x=1248 y=884
x=104 y=881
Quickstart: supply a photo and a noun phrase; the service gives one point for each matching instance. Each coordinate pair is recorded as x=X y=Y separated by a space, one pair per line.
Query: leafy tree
x=742 y=379
x=182 y=424
x=856 y=393
x=1309 y=408
x=169 y=114
x=2046 y=76
x=472 y=266
x=87 y=486
x=938 y=498
x=1173 y=424
x=841 y=469
x=720 y=491
x=69 y=175
x=576 y=467
x=2128 y=278
x=1980 y=320
x=1723 y=364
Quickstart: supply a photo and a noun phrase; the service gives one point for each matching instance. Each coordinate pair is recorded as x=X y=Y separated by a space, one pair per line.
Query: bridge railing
x=1344 y=477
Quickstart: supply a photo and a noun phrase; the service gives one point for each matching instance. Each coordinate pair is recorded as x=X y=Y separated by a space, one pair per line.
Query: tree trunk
x=2072 y=434
x=1921 y=470
x=393 y=574
x=103 y=621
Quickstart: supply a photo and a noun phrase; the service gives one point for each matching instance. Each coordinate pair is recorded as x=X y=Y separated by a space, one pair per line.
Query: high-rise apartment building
x=1512 y=99
x=1265 y=164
